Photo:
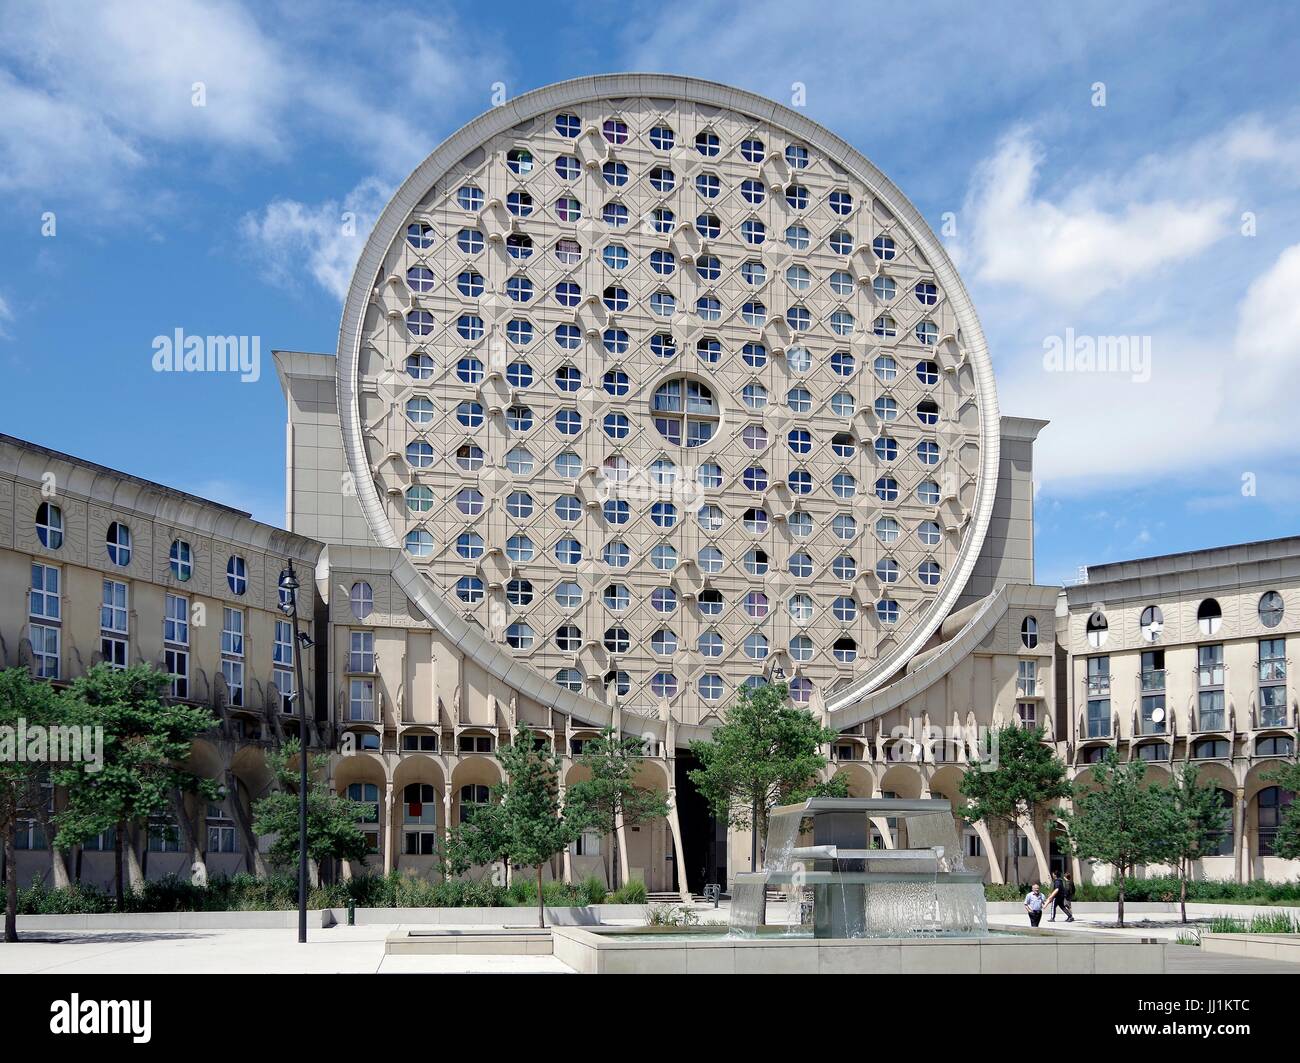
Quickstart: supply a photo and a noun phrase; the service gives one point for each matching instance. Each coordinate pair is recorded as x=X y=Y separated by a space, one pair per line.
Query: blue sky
x=1170 y=214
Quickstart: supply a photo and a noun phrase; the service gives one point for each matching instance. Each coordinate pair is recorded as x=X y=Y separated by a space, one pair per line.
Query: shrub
x=592 y=890
x=671 y=915
x=629 y=893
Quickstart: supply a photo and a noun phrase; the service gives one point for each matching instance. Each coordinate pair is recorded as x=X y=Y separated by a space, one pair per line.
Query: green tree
x=1199 y=819
x=24 y=703
x=764 y=753
x=147 y=740
x=1024 y=777
x=610 y=796
x=1122 y=823
x=332 y=831
x=525 y=825
x=1287 y=842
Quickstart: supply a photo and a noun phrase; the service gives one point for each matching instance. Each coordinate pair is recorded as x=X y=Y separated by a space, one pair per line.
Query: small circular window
x=685 y=412
x=1271 y=609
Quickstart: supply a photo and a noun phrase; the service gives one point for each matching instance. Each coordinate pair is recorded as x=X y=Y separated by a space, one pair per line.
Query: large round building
x=648 y=388
x=664 y=387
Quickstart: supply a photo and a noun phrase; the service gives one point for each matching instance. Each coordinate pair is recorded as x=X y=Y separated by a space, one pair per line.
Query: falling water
x=926 y=897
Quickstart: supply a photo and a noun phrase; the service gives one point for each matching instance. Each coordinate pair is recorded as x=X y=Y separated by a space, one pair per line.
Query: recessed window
x=181 y=560
x=1151 y=623
x=1029 y=632
x=685 y=412
x=1271 y=609
x=567 y=125
x=1209 y=617
x=118 y=543
x=237 y=574
x=662 y=138
x=469 y=589
x=362 y=599
x=419 y=543
x=49 y=525
x=1098 y=627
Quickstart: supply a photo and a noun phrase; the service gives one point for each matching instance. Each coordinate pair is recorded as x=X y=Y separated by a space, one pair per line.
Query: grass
x=1259 y=923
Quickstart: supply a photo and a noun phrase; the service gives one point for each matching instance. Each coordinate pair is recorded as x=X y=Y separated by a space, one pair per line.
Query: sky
x=1122 y=178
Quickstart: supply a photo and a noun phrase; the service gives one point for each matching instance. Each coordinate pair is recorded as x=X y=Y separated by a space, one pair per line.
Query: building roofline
x=1292 y=540
x=266 y=536
x=59 y=455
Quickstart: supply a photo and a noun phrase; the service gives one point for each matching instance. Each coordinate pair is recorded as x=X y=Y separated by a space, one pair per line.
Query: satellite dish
x=1158 y=716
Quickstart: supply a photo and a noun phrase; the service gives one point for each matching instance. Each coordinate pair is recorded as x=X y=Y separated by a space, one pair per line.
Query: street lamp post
x=289 y=606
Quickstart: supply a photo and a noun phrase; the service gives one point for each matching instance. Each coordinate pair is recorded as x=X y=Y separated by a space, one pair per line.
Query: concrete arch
x=860 y=779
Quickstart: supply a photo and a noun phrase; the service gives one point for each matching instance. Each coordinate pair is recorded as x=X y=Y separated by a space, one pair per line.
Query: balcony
x=1272 y=670
x=1029 y=688
x=1147 y=726
x=1153 y=680
x=1098 y=684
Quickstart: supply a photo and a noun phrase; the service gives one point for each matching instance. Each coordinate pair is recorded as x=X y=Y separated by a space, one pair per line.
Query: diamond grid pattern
x=812 y=523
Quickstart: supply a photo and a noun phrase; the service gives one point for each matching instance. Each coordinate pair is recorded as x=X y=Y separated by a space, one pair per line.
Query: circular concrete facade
x=664 y=386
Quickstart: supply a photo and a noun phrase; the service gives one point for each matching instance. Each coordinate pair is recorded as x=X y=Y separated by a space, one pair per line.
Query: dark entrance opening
x=704 y=835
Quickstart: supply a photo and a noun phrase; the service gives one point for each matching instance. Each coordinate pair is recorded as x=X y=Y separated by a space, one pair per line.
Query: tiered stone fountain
x=857 y=891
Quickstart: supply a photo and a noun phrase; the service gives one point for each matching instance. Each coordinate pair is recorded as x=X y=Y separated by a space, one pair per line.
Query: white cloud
x=100 y=92
x=1077 y=247
x=322 y=241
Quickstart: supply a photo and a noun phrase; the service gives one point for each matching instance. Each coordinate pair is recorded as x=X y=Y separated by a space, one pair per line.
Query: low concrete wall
x=1195 y=909
x=1037 y=952
x=1257 y=946
x=174 y=921
x=327 y=917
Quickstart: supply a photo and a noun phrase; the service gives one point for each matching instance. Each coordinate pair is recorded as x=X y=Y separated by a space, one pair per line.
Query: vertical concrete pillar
x=568 y=853
x=675 y=826
x=387 y=827
x=622 y=849
x=1240 y=850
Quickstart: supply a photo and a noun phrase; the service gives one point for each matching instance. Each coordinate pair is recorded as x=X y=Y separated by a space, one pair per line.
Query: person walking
x=1034 y=904
x=1068 y=897
x=1056 y=899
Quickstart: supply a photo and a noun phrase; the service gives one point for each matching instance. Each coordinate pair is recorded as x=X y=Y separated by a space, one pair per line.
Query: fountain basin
x=703 y=950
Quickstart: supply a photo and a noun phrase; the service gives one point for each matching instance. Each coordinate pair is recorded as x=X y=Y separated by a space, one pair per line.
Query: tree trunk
x=118 y=890
x=1015 y=852
x=135 y=873
x=1121 y=897
x=1182 y=891
x=614 y=854
x=11 y=882
x=541 y=900
x=58 y=862
x=198 y=858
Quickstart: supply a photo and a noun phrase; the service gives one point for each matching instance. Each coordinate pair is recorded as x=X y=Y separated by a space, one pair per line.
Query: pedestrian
x=1056 y=899
x=1034 y=904
x=1069 y=898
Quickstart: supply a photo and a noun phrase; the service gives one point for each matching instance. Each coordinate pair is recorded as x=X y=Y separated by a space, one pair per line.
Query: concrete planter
x=327 y=917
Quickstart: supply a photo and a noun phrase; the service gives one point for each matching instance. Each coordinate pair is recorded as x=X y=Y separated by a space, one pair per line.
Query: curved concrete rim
x=605 y=86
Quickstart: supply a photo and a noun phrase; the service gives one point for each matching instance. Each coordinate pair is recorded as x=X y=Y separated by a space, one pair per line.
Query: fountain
x=855 y=909
x=847 y=889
